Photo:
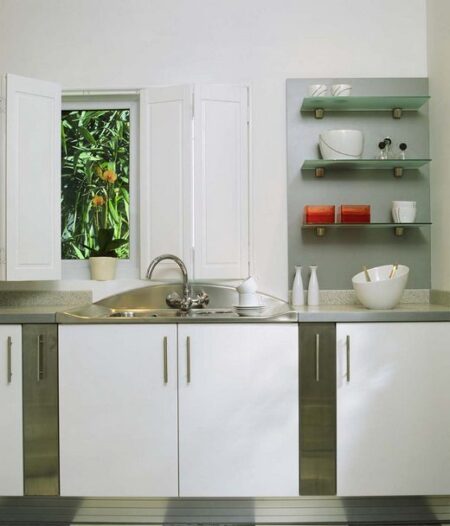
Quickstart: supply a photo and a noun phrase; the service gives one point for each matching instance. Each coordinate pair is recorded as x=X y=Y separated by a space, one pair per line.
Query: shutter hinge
x=2 y=256
x=2 y=105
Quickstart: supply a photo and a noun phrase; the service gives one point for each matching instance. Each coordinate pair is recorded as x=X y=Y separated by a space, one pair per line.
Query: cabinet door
x=238 y=418
x=118 y=410
x=393 y=399
x=33 y=179
x=166 y=177
x=11 y=442
x=221 y=182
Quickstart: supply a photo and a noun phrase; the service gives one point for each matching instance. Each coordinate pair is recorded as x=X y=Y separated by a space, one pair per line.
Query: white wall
x=439 y=73
x=128 y=43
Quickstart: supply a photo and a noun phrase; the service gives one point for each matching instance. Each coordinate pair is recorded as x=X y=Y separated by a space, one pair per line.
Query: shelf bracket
x=319 y=172
x=399 y=231
x=320 y=231
x=397 y=113
x=398 y=171
x=319 y=113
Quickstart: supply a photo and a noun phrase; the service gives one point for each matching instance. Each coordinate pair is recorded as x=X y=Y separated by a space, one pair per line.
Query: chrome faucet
x=185 y=303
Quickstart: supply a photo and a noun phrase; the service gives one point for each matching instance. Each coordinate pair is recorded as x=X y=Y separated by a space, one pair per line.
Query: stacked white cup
x=404 y=211
x=247 y=293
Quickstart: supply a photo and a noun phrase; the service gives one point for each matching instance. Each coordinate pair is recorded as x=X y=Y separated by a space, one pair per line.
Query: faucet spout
x=178 y=261
x=185 y=303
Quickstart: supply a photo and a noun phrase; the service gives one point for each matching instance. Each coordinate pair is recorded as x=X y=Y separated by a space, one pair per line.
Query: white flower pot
x=103 y=268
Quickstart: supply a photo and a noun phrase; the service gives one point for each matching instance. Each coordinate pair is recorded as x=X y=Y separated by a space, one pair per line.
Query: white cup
x=404 y=214
x=341 y=90
x=404 y=204
x=317 y=90
x=249 y=299
x=248 y=286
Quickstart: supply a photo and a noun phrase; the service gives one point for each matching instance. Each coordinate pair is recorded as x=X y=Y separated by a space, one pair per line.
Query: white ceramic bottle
x=313 y=289
x=297 y=298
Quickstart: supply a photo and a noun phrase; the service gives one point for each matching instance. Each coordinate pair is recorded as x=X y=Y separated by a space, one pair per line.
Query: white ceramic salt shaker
x=297 y=298
x=313 y=288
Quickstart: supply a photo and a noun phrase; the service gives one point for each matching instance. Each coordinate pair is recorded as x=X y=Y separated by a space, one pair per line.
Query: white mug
x=249 y=300
x=341 y=90
x=403 y=204
x=404 y=214
x=317 y=90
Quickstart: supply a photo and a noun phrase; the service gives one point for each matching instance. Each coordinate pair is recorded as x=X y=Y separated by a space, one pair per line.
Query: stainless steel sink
x=148 y=304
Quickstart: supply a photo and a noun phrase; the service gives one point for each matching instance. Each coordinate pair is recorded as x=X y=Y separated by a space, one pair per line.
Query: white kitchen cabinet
x=221 y=182
x=166 y=177
x=393 y=399
x=118 y=410
x=194 y=179
x=238 y=412
x=11 y=436
x=30 y=179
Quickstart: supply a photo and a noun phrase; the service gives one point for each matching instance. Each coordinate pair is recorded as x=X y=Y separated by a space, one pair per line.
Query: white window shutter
x=33 y=179
x=221 y=182
x=166 y=177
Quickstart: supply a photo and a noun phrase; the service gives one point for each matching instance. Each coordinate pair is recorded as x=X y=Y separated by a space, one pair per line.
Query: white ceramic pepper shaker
x=313 y=288
x=297 y=298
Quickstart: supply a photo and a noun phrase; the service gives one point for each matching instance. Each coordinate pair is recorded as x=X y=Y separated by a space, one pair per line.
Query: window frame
x=126 y=268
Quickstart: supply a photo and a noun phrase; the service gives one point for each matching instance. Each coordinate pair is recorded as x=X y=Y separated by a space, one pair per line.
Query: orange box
x=354 y=214
x=319 y=214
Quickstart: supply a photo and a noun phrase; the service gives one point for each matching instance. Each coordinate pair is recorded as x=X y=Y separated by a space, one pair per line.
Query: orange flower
x=110 y=176
x=98 y=200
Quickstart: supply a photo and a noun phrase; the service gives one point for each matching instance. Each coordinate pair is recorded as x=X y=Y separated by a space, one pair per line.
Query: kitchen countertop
x=357 y=313
x=30 y=314
x=324 y=313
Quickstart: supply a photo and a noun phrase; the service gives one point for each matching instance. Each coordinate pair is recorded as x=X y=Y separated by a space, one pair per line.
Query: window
x=98 y=187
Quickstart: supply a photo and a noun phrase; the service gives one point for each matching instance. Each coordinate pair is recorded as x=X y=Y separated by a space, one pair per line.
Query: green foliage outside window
x=95 y=179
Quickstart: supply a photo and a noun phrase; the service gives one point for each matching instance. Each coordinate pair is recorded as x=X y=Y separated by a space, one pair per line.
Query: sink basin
x=145 y=313
x=148 y=304
x=382 y=292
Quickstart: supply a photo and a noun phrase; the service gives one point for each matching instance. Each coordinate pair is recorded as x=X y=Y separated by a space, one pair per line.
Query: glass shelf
x=321 y=228
x=396 y=104
x=397 y=165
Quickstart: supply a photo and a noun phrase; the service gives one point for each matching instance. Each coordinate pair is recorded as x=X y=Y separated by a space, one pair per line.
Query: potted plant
x=103 y=255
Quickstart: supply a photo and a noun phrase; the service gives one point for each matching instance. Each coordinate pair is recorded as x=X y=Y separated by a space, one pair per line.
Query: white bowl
x=341 y=144
x=381 y=292
x=341 y=90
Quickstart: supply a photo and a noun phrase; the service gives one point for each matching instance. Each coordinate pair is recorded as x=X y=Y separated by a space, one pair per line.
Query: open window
x=99 y=135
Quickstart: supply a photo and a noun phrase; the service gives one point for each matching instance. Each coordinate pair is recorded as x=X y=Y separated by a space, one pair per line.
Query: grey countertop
x=357 y=313
x=324 y=313
x=30 y=314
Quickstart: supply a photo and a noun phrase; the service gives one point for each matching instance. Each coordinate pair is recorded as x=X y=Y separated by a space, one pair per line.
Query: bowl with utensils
x=381 y=287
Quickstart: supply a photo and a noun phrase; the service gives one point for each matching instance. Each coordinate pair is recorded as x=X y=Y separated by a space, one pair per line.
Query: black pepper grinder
x=403 y=146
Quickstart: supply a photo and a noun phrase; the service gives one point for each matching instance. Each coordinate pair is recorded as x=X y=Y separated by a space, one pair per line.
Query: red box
x=319 y=214
x=354 y=214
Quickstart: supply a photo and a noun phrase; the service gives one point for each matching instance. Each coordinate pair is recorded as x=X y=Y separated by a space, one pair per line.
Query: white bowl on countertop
x=382 y=292
x=341 y=144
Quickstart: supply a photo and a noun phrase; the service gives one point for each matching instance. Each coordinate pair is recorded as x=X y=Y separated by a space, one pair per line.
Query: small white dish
x=248 y=307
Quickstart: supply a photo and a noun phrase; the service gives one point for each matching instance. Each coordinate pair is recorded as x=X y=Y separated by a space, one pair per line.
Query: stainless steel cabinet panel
x=317 y=409
x=40 y=409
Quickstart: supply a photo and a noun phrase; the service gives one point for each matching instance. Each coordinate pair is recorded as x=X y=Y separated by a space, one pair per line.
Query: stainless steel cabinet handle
x=347 y=348
x=166 y=371
x=40 y=358
x=317 y=357
x=188 y=359
x=8 y=359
